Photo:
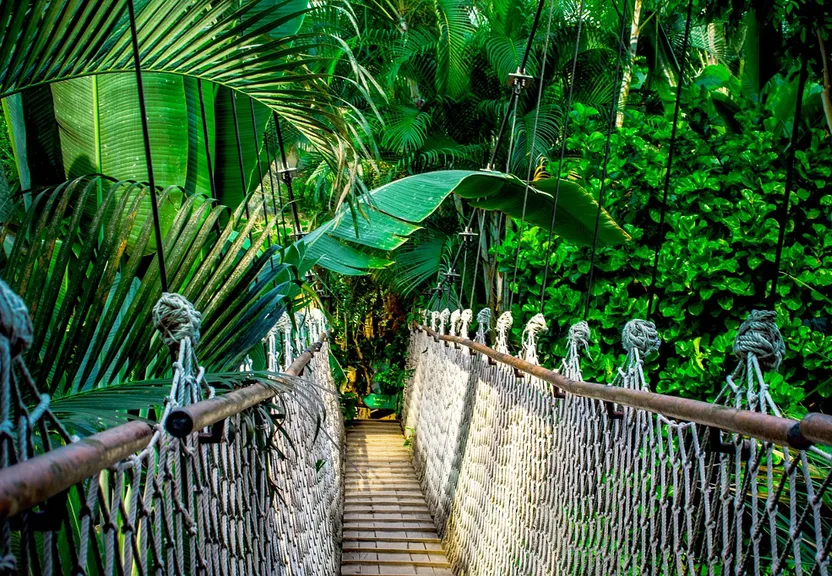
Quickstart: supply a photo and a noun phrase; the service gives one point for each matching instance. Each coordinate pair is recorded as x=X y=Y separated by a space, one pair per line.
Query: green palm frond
x=83 y=273
x=442 y=152
x=505 y=55
x=217 y=42
x=547 y=134
x=417 y=263
x=454 y=29
x=406 y=128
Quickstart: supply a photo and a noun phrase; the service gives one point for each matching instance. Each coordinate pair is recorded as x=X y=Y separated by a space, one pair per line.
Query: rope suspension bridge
x=499 y=466
x=512 y=468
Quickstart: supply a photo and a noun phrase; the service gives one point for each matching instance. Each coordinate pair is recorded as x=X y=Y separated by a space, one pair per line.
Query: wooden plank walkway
x=388 y=529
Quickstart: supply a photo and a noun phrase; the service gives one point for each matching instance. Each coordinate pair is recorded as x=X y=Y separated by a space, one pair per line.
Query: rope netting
x=524 y=478
x=253 y=499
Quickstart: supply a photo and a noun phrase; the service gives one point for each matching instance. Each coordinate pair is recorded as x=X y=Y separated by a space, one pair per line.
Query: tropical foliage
x=77 y=226
x=388 y=112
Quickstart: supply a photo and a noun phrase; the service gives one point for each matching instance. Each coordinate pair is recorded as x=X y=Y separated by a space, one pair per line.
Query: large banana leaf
x=230 y=190
x=90 y=295
x=219 y=42
x=388 y=215
x=100 y=132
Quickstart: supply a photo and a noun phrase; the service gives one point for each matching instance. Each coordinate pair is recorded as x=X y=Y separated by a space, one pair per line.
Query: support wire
x=610 y=126
x=157 y=227
x=534 y=138
x=651 y=291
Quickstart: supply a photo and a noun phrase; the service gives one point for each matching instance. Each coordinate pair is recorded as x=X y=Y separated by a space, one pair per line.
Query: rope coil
x=465 y=321
x=456 y=317
x=579 y=334
x=640 y=335
x=504 y=323
x=535 y=326
x=176 y=319
x=759 y=335
x=484 y=322
x=15 y=323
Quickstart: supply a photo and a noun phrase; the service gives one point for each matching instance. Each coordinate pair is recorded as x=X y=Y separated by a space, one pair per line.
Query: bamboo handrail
x=814 y=428
x=34 y=481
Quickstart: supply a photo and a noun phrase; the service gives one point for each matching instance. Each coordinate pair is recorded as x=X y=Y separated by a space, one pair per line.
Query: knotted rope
x=455 y=318
x=176 y=319
x=317 y=323
x=443 y=320
x=484 y=322
x=284 y=324
x=504 y=323
x=640 y=335
x=465 y=320
x=759 y=335
x=579 y=334
x=535 y=326
x=15 y=323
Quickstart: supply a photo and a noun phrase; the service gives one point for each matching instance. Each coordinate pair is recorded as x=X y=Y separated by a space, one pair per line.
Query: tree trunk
x=826 y=95
x=628 y=69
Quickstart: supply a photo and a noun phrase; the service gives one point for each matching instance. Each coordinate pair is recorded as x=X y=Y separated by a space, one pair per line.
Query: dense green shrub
x=717 y=257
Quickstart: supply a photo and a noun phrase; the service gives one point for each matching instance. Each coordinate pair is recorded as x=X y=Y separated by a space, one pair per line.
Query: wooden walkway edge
x=388 y=529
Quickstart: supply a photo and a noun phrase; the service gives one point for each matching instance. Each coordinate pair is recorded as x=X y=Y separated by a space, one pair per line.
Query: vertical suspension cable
x=610 y=126
x=288 y=179
x=279 y=195
x=211 y=182
x=476 y=270
x=534 y=141
x=510 y=150
x=260 y=173
x=157 y=227
x=240 y=157
x=462 y=280
x=564 y=135
x=651 y=291
x=783 y=212
x=515 y=93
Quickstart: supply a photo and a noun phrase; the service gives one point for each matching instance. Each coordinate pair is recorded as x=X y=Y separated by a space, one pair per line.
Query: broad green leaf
x=252 y=48
x=382 y=217
x=415 y=197
x=16 y=123
x=279 y=10
x=229 y=180
x=338 y=256
x=101 y=130
x=372 y=228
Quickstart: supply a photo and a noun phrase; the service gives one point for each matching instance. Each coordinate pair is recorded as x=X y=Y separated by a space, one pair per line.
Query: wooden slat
x=384 y=505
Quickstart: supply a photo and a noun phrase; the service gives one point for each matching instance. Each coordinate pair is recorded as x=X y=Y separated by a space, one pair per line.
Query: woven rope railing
x=138 y=499
x=534 y=471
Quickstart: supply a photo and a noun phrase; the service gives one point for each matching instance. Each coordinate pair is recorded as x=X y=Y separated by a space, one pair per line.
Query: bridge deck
x=388 y=529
